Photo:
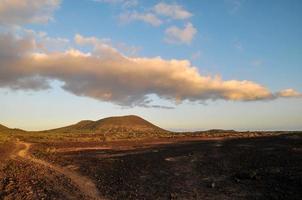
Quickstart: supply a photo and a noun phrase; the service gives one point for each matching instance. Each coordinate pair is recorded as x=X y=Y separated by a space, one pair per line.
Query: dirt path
x=84 y=184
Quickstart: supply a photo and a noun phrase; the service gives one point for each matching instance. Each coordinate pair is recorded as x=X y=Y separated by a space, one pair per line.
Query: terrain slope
x=123 y=126
x=3 y=128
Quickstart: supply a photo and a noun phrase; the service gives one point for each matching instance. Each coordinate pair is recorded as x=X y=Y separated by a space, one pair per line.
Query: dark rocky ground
x=246 y=168
x=267 y=167
x=25 y=181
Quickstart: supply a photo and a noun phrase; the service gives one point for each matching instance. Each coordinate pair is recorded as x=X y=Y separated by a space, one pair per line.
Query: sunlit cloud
x=124 y=3
x=149 y=18
x=289 y=93
x=18 y=12
x=30 y=60
x=108 y=75
x=173 y=11
x=177 y=35
x=162 y=14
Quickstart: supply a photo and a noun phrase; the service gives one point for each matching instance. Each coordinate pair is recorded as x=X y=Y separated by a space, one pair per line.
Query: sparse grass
x=45 y=136
x=80 y=136
x=4 y=137
x=58 y=137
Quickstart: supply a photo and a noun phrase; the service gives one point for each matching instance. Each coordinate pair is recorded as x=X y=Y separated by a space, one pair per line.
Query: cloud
x=12 y=73
x=105 y=45
x=234 y=5
x=18 y=12
x=173 y=11
x=149 y=18
x=124 y=3
x=162 y=13
x=178 y=36
x=107 y=75
x=43 y=40
x=289 y=93
x=128 y=50
x=196 y=55
x=154 y=16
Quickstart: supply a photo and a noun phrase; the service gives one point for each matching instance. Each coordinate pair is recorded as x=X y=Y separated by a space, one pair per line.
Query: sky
x=181 y=64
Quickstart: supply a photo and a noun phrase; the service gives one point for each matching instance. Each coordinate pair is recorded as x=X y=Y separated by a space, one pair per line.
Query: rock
x=173 y=196
x=247 y=175
x=275 y=170
x=237 y=180
x=212 y=185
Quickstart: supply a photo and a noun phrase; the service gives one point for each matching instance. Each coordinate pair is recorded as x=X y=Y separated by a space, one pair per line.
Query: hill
x=4 y=128
x=118 y=127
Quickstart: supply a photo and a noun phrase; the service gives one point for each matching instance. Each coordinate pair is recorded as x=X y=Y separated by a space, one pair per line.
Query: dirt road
x=84 y=184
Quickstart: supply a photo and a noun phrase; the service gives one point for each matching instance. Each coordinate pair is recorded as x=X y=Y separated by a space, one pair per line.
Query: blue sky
x=257 y=41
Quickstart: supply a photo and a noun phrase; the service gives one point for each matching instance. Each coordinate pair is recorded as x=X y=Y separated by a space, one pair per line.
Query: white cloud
x=178 y=36
x=18 y=12
x=149 y=18
x=173 y=11
x=154 y=16
x=124 y=3
x=234 y=5
x=117 y=78
x=160 y=14
x=289 y=93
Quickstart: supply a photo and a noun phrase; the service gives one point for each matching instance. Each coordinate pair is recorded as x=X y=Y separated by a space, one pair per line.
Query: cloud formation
x=124 y=3
x=289 y=93
x=173 y=11
x=108 y=75
x=154 y=16
x=234 y=5
x=177 y=35
x=18 y=12
x=162 y=13
x=149 y=18
x=31 y=60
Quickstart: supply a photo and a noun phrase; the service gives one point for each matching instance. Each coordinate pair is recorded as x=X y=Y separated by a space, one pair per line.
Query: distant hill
x=119 y=127
x=3 y=128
